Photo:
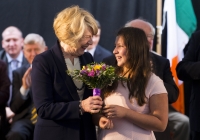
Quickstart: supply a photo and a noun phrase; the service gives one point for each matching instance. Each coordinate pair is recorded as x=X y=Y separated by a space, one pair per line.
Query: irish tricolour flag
x=181 y=23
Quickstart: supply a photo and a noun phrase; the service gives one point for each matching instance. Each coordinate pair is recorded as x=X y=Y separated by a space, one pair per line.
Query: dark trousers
x=3 y=126
x=21 y=130
x=195 y=135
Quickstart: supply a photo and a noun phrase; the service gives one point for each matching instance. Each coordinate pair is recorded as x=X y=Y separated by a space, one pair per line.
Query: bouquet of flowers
x=96 y=76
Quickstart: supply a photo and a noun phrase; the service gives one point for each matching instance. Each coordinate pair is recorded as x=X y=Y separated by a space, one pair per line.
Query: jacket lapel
x=26 y=66
x=83 y=62
x=62 y=69
x=24 y=61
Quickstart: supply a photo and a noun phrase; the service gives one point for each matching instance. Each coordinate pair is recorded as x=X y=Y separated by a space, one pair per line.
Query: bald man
x=12 y=55
x=12 y=43
x=146 y=27
x=178 y=123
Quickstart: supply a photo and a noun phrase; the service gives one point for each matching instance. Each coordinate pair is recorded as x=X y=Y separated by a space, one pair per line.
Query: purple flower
x=91 y=74
x=84 y=72
x=97 y=72
x=104 y=67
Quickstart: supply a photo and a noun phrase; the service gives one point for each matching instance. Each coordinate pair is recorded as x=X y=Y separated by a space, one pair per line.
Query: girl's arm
x=156 y=120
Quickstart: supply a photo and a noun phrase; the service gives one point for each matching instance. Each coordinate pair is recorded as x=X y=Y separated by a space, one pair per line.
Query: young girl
x=136 y=108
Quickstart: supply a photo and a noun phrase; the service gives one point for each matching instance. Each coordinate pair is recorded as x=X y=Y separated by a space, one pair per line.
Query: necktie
x=33 y=115
x=14 y=64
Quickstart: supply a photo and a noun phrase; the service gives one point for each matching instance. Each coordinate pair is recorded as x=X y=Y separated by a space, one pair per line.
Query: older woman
x=64 y=105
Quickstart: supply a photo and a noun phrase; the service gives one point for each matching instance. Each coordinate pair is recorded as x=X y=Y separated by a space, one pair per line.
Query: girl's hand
x=114 y=111
x=105 y=123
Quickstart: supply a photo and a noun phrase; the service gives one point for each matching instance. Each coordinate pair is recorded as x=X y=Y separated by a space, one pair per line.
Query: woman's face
x=83 y=43
x=120 y=52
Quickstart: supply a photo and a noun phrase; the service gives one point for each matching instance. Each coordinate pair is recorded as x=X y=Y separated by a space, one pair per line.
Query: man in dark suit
x=12 y=55
x=21 y=104
x=12 y=43
x=178 y=123
x=4 y=96
x=96 y=50
x=189 y=70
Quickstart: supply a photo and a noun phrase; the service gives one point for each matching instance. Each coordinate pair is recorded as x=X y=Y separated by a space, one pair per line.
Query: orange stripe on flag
x=179 y=104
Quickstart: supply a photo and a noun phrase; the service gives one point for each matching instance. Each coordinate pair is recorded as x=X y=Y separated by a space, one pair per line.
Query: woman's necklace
x=83 y=85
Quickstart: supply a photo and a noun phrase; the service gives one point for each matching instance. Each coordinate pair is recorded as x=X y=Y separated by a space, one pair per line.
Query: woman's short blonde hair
x=70 y=24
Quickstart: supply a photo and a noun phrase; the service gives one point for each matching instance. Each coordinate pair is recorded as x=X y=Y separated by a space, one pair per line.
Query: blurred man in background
x=97 y=51
x=12 y=55
x=22 y=123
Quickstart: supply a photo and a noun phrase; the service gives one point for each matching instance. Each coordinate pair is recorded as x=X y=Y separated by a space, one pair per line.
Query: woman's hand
x=114 y=111
x=92 y=104
x=105 y=123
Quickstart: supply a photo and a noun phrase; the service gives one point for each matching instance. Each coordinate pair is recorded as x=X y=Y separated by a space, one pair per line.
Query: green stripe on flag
x=185 y=16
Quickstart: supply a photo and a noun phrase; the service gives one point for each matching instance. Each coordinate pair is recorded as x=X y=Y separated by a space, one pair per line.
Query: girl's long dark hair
x=138 y=62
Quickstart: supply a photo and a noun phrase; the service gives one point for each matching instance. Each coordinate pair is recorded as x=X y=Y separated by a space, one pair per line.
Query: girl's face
x=121 y=52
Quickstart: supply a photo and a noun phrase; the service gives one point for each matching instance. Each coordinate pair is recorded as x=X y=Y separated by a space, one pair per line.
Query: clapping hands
x=26 y=80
